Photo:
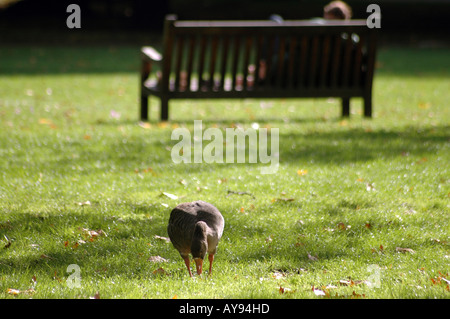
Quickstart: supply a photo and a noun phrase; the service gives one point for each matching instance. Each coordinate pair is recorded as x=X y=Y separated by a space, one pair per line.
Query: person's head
x=337 y=10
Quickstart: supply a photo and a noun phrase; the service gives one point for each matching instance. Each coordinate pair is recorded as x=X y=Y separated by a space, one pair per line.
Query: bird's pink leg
x=211 y=259
x=188 y=264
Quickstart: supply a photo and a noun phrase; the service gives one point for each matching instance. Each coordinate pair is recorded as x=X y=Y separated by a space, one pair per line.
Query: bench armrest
x=149 y=53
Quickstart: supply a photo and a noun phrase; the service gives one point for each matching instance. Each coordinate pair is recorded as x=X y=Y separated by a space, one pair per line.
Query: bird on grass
x=196 y=228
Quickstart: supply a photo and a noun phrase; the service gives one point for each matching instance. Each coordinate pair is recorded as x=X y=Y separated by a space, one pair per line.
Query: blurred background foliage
x=45 y=20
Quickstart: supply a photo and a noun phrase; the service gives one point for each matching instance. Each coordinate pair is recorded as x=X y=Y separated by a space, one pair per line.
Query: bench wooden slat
x=336 y=58
x=246 y=60
x=347 y=60
x=303 y=62
x=313 y=62
x=358 y=63
x=212 y=62
x=235 y=63
x=223 y=68
x=179 y=56
x=190 y=60
x=258 y=57
x=291 y=61
x=324 y=75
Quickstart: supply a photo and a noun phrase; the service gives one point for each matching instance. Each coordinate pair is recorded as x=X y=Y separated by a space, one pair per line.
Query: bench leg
x=144 y=108
x=345 y=107
x=164 y=109
x=368 y=106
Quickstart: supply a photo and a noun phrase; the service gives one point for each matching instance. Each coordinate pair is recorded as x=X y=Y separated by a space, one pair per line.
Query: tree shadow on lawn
x=340 y=146
x=359 y=145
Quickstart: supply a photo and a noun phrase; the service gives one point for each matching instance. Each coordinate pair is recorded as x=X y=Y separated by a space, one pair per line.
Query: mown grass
x=348 y=192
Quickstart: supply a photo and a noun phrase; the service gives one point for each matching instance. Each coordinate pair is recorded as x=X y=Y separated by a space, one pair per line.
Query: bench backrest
x=317 y=55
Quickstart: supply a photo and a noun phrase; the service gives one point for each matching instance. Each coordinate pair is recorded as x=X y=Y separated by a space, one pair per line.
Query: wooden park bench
x=260 y=59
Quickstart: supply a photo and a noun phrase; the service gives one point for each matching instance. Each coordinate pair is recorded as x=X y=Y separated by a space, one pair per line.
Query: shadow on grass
x=359 y=145
x=37 y=60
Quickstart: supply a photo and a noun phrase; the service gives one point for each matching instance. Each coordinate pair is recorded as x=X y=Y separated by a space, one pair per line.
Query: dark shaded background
x=133 y=21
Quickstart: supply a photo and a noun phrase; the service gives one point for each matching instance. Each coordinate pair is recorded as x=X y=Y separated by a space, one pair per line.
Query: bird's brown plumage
x=196 y=228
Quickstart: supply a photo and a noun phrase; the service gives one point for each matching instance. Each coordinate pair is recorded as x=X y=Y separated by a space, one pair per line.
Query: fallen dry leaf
x=171 y=196
x=404 y=250
x=145 y=125
x=283 y=200
x=278 y=275
x=96 y=296
x=8 y=244
x=319 y=292
x=351 y=283
x=13 y=292
x=355 y=295
x=159 y=271
x=313 y=258
x=16 y=292
x=157 y=259
x=370 y=187
x=45 y=121
x=302 y=172
x=285 y=290
x=341 y=226
x=166 y=239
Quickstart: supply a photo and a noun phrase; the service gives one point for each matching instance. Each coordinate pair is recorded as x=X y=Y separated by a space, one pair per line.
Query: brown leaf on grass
x=166 y=239
x=320 y=292
x=45 y=121
x=278 y=275
x=8 y=244
x=16 y=292
x=285 y=290
x=145 y=125
x=157 y=259
x=351 y=283
x=357 y=296
x=159 y=271
x=341 y=226
x=171 y=196
x=404 y=250
x=283 y=200
x=96 y=296
x=313 y=258
x=91 y=235
x=370 y=187
x=302 y=172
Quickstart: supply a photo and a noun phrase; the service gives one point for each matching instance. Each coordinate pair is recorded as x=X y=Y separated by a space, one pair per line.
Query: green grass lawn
x=354 y=201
